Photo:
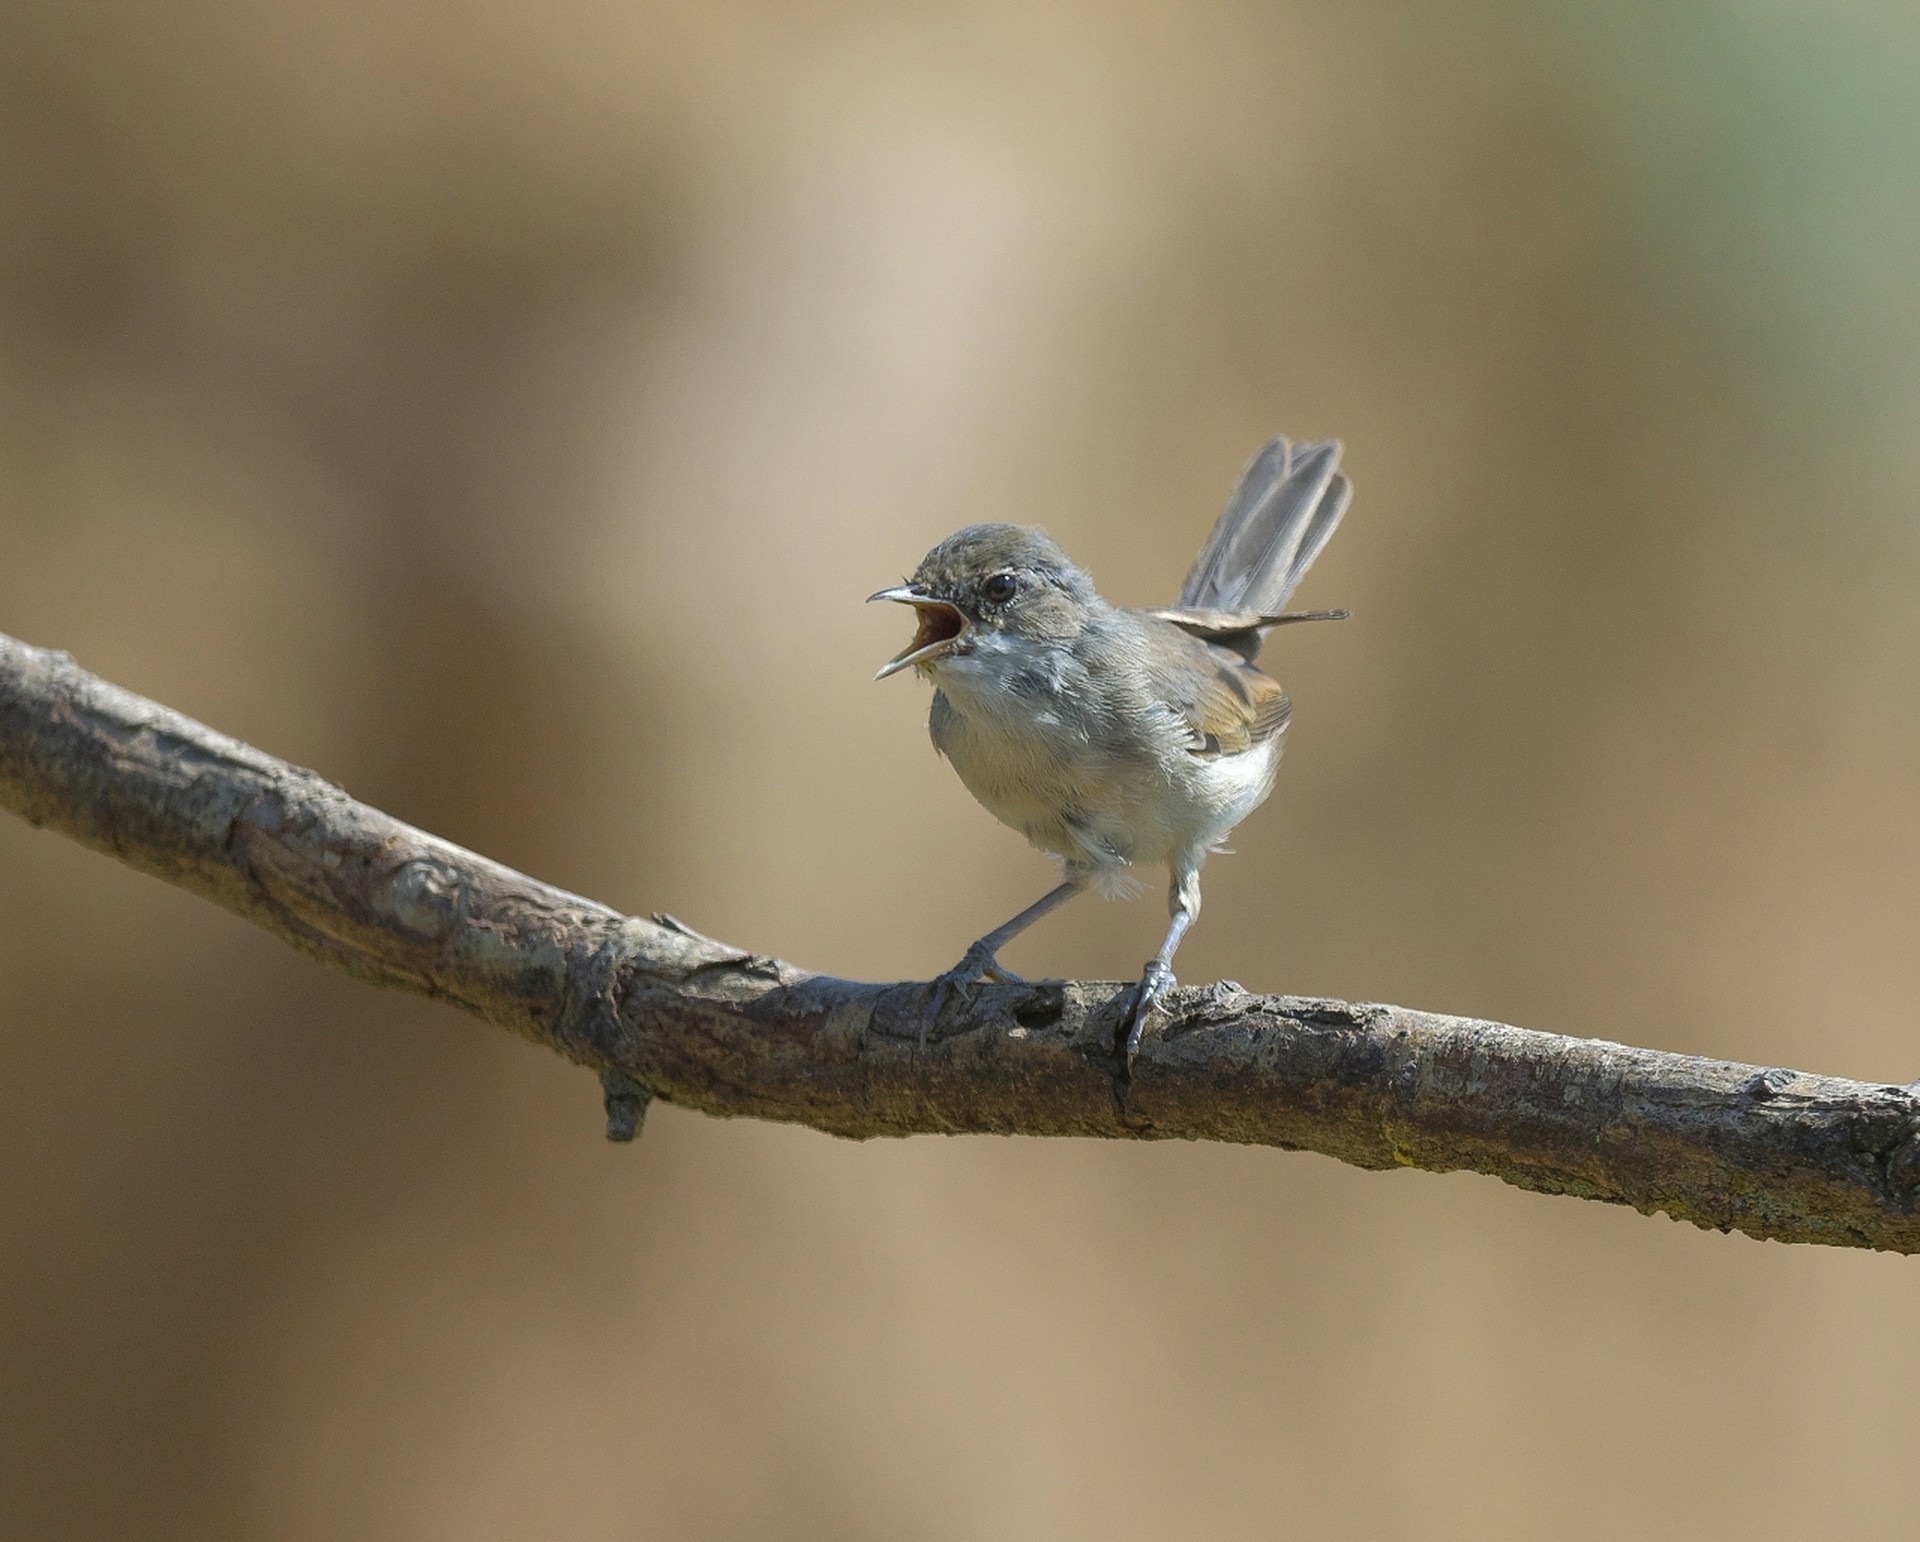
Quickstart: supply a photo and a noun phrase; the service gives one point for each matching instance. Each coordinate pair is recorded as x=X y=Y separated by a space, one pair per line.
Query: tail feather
x=1281 y=514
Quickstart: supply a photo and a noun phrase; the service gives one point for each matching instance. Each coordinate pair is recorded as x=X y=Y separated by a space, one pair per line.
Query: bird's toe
x=977 y=964
x=1155 y=982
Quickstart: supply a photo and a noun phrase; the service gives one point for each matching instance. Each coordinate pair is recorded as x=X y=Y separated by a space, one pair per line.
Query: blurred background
x=505 y=410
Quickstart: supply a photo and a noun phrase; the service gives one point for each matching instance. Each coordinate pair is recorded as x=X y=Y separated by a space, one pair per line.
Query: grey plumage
x=1114 y=737
x=1281 y=514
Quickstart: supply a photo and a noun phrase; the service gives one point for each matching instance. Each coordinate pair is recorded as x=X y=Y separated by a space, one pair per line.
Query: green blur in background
x=504 y=410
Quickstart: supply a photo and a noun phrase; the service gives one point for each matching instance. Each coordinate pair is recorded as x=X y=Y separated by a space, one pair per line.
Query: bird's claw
x=1155 y=982
x=977 y=964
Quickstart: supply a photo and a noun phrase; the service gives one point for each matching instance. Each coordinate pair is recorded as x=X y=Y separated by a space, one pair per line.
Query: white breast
x=1100 y=809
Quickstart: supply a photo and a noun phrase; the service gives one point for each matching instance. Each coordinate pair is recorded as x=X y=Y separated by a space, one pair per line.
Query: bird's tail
x=1284 y=510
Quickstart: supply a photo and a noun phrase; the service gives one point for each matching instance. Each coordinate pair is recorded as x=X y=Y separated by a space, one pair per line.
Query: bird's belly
x=1047 y=785
x=1221 y=792
x=1091 y=806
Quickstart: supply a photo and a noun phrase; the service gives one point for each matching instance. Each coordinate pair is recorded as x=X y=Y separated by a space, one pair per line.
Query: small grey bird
x=1115 y=738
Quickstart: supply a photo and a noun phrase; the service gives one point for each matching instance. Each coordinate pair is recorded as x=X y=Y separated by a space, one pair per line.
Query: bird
x=1118 y=738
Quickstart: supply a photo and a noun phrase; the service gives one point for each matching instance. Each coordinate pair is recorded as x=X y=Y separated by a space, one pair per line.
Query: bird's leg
x=1183 y=903
x=979 y=961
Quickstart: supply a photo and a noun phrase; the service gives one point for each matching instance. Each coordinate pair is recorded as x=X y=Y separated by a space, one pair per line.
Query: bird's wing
x=1242 y=631
x=1227 y=705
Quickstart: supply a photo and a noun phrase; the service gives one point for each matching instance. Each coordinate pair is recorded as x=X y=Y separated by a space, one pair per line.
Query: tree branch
x=661 y=1011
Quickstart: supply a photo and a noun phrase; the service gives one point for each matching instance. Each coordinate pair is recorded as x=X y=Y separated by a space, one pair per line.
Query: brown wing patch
x=1272 y=711
x=1226 y=705
x=1232 y=707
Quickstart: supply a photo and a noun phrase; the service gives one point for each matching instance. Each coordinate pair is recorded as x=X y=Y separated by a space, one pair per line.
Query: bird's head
x=990 y=585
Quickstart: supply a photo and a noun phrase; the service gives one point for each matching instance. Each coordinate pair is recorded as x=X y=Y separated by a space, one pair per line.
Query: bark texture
x=661 y=1011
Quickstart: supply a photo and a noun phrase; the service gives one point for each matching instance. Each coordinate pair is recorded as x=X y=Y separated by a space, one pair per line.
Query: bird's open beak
x=941 y=626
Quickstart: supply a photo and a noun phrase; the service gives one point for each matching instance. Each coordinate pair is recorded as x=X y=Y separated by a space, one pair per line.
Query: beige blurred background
x=504 y=409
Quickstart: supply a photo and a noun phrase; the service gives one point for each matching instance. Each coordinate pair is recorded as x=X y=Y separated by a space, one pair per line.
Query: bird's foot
x=1154 y=983
x=977 y=964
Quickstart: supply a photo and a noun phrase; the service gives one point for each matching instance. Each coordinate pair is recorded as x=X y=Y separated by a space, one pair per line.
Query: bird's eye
x=1000 y=588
